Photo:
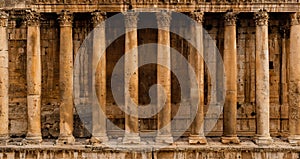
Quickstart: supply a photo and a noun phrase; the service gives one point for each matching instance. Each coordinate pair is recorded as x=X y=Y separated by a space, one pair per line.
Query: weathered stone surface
x=20 y=91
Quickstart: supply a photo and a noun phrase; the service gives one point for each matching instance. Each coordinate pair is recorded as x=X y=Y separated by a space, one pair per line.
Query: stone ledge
x=179 y=150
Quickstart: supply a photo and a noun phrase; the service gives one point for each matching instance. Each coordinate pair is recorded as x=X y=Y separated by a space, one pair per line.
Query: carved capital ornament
x=65 y=18
x=230 y=18
x=164 y=19
x=32 y=18
x=98 y=17
x=261 y=18
x=198 y=16
x=3 y=19
x=131 y=19
x=295 y=18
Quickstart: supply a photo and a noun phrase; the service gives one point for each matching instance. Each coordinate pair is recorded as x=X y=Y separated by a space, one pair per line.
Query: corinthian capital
x=32 y=18
x=164 y=19
x=261 y=18
x=131 y=19
x=65 y=18
x=3 y=19
x=295 y=18
x=198 y=16
x=98 y=17
x=230 y=18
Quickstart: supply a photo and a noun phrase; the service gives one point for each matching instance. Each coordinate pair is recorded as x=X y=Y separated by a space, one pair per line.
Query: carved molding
x=230 y=18
x=98 y=17
x=32 y=18
x=3 y=19
x=158 y=1
x=295 y=18
x=164 y=19
x=198 y=16
x=65 y=18
x=261 y=18
x=131 y=19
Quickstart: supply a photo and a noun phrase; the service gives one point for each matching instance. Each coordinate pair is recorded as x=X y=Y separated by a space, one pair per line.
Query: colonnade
x=164 y=134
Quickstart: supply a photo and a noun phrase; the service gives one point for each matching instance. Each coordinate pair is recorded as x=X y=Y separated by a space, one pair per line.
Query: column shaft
x=197 y=62
x=4 y=78
x=230 y=62
x=34 y=77
x=99 y=43
x=294 y=80
x=164 y=78
x=66 y=78
x=131 y=79
x=262 y=80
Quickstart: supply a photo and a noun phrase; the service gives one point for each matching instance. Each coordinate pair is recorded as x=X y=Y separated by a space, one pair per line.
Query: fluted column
x=66 y=78
x=262 y=80
x=230 y=63
x=34 y=77
x=294 y=80
x=197 y=62
x=99 y=43
x=131 y=79
x=164 y=78
x=4 y=78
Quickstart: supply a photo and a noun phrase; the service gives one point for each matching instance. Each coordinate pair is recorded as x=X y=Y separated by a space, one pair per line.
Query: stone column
x=34 y=77
x=262 y=80
x=230 y=63
x=164 y=78
x=294 y=80
x=66 y=78
x=197 y=62
x=99 y=44
x=4 y=78
x=131 y=79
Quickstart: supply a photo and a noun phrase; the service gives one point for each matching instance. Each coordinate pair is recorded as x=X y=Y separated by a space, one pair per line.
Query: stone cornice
x=230 y=18
x=65 y=18
x=261 y=18
x=98 y=17
x=131 y=19
x=32 y=18
x=3 y=19
x=164 y=19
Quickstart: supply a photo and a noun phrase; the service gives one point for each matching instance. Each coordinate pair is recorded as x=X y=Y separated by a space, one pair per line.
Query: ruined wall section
x=50 y=76
x=17 y=35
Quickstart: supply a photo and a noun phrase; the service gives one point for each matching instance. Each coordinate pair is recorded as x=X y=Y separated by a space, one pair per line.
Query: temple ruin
x=259 y=43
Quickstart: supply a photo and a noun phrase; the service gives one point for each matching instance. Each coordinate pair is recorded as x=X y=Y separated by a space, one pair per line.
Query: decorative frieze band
x=32 y=18
x=3 y=19
x=65 y=18
x=230 y=18
x=295 y=18
x=261 y=18
x=98 y=17
x=164 y=19
x=131 y=19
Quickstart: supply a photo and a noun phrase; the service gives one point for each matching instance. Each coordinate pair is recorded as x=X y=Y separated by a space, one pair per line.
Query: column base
x=168 y=139
x=65 y=140
x=131 y=139
x=99 y=139
x=263 y=140
x=230 y=140
x=196 y=139
x=294 y=140
x=32 y=140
